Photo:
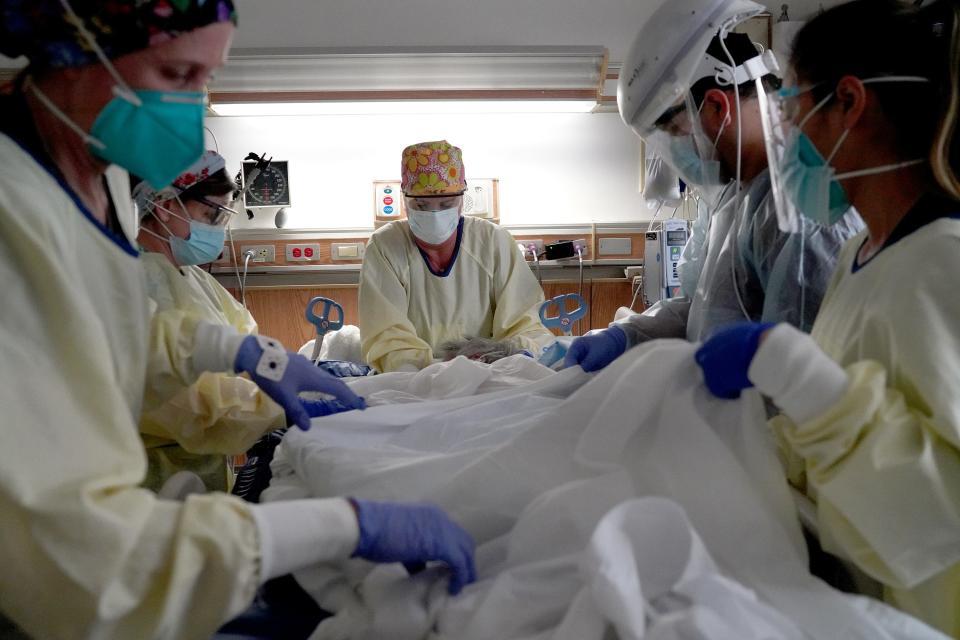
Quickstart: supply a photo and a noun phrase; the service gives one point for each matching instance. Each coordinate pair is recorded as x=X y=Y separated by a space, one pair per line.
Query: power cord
x=248 y=255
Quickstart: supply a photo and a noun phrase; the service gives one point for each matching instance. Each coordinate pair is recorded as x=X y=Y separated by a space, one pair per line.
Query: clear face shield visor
x=679 y=139
x=777 y=113
x=800 y=175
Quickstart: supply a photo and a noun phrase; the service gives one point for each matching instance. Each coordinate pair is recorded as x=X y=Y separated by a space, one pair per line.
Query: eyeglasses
x=220 y=215
x=433 y=203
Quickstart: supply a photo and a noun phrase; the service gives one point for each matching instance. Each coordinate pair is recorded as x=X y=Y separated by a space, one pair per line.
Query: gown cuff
x=295 y=534
x=792 y=370
x=215 y=347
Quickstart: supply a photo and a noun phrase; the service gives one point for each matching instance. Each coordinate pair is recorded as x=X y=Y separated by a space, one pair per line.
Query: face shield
x=669 y=56
x=679 y=138
x=802 y=180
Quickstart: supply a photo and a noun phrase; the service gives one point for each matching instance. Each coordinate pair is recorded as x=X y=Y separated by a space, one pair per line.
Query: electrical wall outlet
x=537 y=244
x=261 y=252
x=303 y=252
x=584 y=247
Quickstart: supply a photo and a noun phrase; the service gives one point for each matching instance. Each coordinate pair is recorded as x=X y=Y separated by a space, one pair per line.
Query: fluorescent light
x=400 y=107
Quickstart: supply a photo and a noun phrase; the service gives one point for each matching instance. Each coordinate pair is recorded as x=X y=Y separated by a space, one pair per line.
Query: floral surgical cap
x=42 y=31
x=432 y=169
x=145 y=196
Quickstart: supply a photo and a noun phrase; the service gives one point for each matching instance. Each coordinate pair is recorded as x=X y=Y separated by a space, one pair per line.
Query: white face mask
x=434 y=227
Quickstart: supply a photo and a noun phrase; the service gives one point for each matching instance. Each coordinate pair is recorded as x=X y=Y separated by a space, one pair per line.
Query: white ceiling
x=462 y=23
x=367 y=23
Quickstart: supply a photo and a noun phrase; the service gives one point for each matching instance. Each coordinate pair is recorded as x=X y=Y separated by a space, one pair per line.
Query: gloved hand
x=320 y=408
x=726 y=356
x=594 y=352
x=484 y=350
x=283 y=375
x=414 y=534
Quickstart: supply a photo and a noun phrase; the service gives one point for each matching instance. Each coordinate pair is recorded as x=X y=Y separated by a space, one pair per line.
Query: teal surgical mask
x=154 y=135
x=203 y=245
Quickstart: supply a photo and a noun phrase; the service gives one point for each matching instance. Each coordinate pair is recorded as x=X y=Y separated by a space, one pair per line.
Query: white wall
x=553 y=168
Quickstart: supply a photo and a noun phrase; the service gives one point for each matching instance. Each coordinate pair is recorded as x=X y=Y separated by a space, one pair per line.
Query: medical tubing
x=236 y=266
x=536 y=260
x=803 y=281
x=736 y=94
x=654 y=218
x=580 y=291
x=247 y=255
x=733 y=258
x=637 y=285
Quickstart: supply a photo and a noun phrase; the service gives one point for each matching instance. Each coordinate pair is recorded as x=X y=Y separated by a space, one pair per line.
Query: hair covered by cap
x=42 y=31
x=431 y=169
x=208 y=165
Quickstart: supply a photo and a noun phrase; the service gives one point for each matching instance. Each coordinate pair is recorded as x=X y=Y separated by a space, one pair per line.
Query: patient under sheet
x=630 y=504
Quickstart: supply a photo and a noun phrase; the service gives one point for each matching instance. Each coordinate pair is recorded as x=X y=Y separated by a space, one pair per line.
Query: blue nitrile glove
x=726 y=356
x=283 y=375
x=596 y=351
x=414 y=534
x=320 y=408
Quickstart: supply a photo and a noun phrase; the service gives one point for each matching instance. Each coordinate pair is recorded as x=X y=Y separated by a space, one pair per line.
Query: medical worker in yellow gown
x=442 y=277
x=195 y=427
x=86 y=552
x=871 y=399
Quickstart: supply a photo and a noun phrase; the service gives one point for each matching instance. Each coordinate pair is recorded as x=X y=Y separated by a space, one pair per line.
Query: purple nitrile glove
x=414 y=534
x=284 y=375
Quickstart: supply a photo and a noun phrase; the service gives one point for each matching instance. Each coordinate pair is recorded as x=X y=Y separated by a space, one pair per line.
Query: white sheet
x=637 y=503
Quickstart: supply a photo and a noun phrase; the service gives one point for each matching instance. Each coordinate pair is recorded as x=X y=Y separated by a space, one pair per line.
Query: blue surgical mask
x=434 y=227
x=689 y=163
x=203 y=245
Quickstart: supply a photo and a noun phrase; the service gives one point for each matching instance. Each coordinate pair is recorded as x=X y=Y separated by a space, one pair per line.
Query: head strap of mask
x=153 y=211
x=843 y=136
x=731 y=74
x=728 y=73
x=120 y=87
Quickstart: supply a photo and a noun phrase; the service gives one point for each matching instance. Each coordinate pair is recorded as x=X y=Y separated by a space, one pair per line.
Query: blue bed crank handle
x=563 y=319
x=323 y=321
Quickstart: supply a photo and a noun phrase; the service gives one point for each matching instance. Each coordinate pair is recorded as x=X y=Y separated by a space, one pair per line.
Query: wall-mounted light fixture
x=375 y=81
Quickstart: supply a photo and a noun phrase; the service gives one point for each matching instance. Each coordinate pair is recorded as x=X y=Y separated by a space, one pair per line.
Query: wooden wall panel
x=280 y=312
x=608 y=296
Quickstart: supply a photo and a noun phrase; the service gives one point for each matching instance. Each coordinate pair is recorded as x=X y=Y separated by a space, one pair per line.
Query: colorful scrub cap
x=42 y=30
x=208 y=164
x=432 y=169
